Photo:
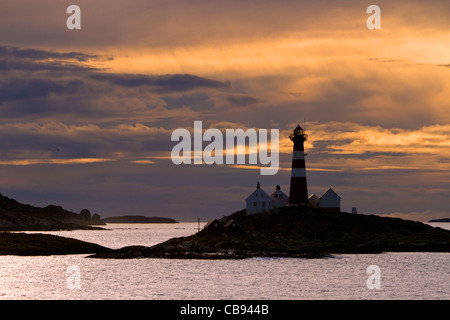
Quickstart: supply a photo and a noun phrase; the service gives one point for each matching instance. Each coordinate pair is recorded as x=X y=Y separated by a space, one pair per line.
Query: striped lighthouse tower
x=298 y=192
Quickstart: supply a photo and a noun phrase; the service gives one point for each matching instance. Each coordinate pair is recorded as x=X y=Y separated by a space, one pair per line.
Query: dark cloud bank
x=70 y=73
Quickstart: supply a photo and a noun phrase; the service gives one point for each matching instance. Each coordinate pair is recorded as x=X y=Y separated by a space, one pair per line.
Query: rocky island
x=295 y=231
x=440 y=220
x=138 y=219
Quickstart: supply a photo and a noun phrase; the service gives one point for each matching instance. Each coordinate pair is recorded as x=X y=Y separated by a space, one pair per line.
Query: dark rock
x=36 y=244
x=96 y=220
x=15 y=216
x=85 y=214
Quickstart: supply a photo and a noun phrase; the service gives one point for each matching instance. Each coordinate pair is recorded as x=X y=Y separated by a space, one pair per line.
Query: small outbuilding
x=314 y=201
x=214 y=227
x=258 y=201
x=232 y=227
x=330 y=201
x=217 y=227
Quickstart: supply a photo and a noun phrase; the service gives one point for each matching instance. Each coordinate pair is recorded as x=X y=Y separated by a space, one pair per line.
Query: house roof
x=211 y=222
x=229 y=222
x=313 y=196
x=278 y=192
x=258 y=189
x=330 y=192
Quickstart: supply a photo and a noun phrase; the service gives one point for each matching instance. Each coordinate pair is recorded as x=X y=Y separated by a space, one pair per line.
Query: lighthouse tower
x=298 y=193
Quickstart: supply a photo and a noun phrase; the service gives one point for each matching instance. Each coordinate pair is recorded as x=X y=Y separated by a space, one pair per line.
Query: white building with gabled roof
x=330 y=201
x=279 y=198
x=258 y=201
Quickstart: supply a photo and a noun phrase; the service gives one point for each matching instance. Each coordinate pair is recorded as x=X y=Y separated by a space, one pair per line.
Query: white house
x=279 y=198
x=314 y=201
x=258 y=201
x=330 y=201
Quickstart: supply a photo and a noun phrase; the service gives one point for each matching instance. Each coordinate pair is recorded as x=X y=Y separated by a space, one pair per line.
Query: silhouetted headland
x=295 y=231
x=138 y=219
x=15 y=216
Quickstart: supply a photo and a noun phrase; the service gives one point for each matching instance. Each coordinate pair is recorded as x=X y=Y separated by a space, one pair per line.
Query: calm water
x=402 y=275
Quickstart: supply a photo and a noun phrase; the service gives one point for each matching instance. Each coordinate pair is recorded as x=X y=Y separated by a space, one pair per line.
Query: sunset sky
x=86 y=116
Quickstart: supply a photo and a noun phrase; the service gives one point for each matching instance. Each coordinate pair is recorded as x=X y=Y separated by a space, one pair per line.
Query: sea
x=385 y=276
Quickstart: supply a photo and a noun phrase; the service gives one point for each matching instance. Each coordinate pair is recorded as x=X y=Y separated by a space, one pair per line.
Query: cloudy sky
x=86 y=116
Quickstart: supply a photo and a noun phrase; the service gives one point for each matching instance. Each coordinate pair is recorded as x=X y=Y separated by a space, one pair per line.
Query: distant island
x=138 y=219
x=440 y=220
x=294 y=231
x=15 y=216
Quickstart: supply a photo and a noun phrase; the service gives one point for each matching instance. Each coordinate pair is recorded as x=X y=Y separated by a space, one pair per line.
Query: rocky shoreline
x=134 y=252
x=296 y=232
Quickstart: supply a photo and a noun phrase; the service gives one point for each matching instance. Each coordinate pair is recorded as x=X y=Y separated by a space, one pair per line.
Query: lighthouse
x=298 y=193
